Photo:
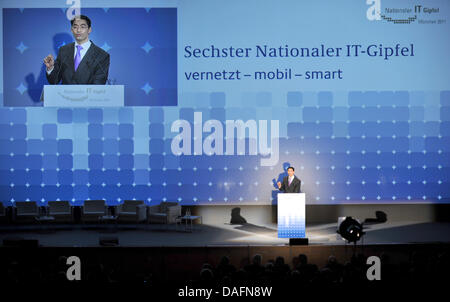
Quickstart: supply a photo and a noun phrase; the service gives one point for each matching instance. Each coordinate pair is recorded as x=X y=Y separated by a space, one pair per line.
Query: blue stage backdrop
x=366 y=125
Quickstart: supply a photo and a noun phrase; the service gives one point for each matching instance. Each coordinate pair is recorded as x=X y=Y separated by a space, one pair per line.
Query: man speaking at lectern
x=80 y=62
x=291 y=184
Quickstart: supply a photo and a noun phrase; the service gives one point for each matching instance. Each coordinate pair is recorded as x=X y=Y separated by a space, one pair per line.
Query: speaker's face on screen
x=290 y=172
x=81 y=30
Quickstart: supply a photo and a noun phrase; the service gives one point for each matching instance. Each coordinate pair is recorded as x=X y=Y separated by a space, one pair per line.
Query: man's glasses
x=82 y=27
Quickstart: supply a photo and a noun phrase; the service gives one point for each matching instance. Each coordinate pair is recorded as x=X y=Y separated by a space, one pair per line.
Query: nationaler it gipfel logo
x=416 y=13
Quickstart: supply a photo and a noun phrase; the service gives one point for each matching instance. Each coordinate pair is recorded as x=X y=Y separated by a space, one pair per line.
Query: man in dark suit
x=291 y=184
x=80 y=62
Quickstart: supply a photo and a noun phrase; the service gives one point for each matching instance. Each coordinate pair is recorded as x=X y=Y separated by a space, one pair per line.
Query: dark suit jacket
x=93 y=68
x=293 y=188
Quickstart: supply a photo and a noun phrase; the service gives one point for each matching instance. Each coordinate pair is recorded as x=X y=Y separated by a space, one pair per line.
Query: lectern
x=291 y=217
x=83 y=96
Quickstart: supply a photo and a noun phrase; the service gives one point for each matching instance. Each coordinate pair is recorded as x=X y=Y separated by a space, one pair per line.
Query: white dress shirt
x=83 y=51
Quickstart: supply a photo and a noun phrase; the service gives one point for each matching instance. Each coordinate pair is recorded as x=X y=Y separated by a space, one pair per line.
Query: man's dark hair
x=83 y=17
x=291 y=168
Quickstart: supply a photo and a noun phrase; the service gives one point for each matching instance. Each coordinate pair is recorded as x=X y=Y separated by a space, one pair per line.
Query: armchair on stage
x=26 y=210
x=166 y=212
x=291 y=216
x=132 y=211
x=92 y=210
x=2 y=212
x=61 y=210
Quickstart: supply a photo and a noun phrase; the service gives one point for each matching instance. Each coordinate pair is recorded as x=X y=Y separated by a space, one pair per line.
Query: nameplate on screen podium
x=83 y=96
x=291 y=215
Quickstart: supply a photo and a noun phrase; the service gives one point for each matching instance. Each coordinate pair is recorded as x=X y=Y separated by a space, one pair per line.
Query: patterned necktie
x=78 y=56
x=290 y=180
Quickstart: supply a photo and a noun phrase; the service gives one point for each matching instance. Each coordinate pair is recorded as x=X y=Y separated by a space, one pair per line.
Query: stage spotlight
x=350 y=229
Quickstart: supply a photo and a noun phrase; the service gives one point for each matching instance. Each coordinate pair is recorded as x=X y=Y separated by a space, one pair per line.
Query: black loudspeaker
x=20 y=242
x=298 y=241
x=381 y=216
x=236 y=217
x=109 y=241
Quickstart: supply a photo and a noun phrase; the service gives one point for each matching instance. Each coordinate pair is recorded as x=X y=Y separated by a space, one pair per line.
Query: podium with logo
x=291 y=217
x=83 y=96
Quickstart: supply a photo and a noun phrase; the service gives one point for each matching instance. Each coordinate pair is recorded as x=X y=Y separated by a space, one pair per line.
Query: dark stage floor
x=141 y=235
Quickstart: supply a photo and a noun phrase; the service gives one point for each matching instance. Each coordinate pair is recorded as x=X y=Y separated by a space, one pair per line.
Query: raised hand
x=49 y=61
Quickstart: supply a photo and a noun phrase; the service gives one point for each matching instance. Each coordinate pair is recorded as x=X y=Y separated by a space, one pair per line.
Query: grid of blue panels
x=294 y=229
x=352 y=147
